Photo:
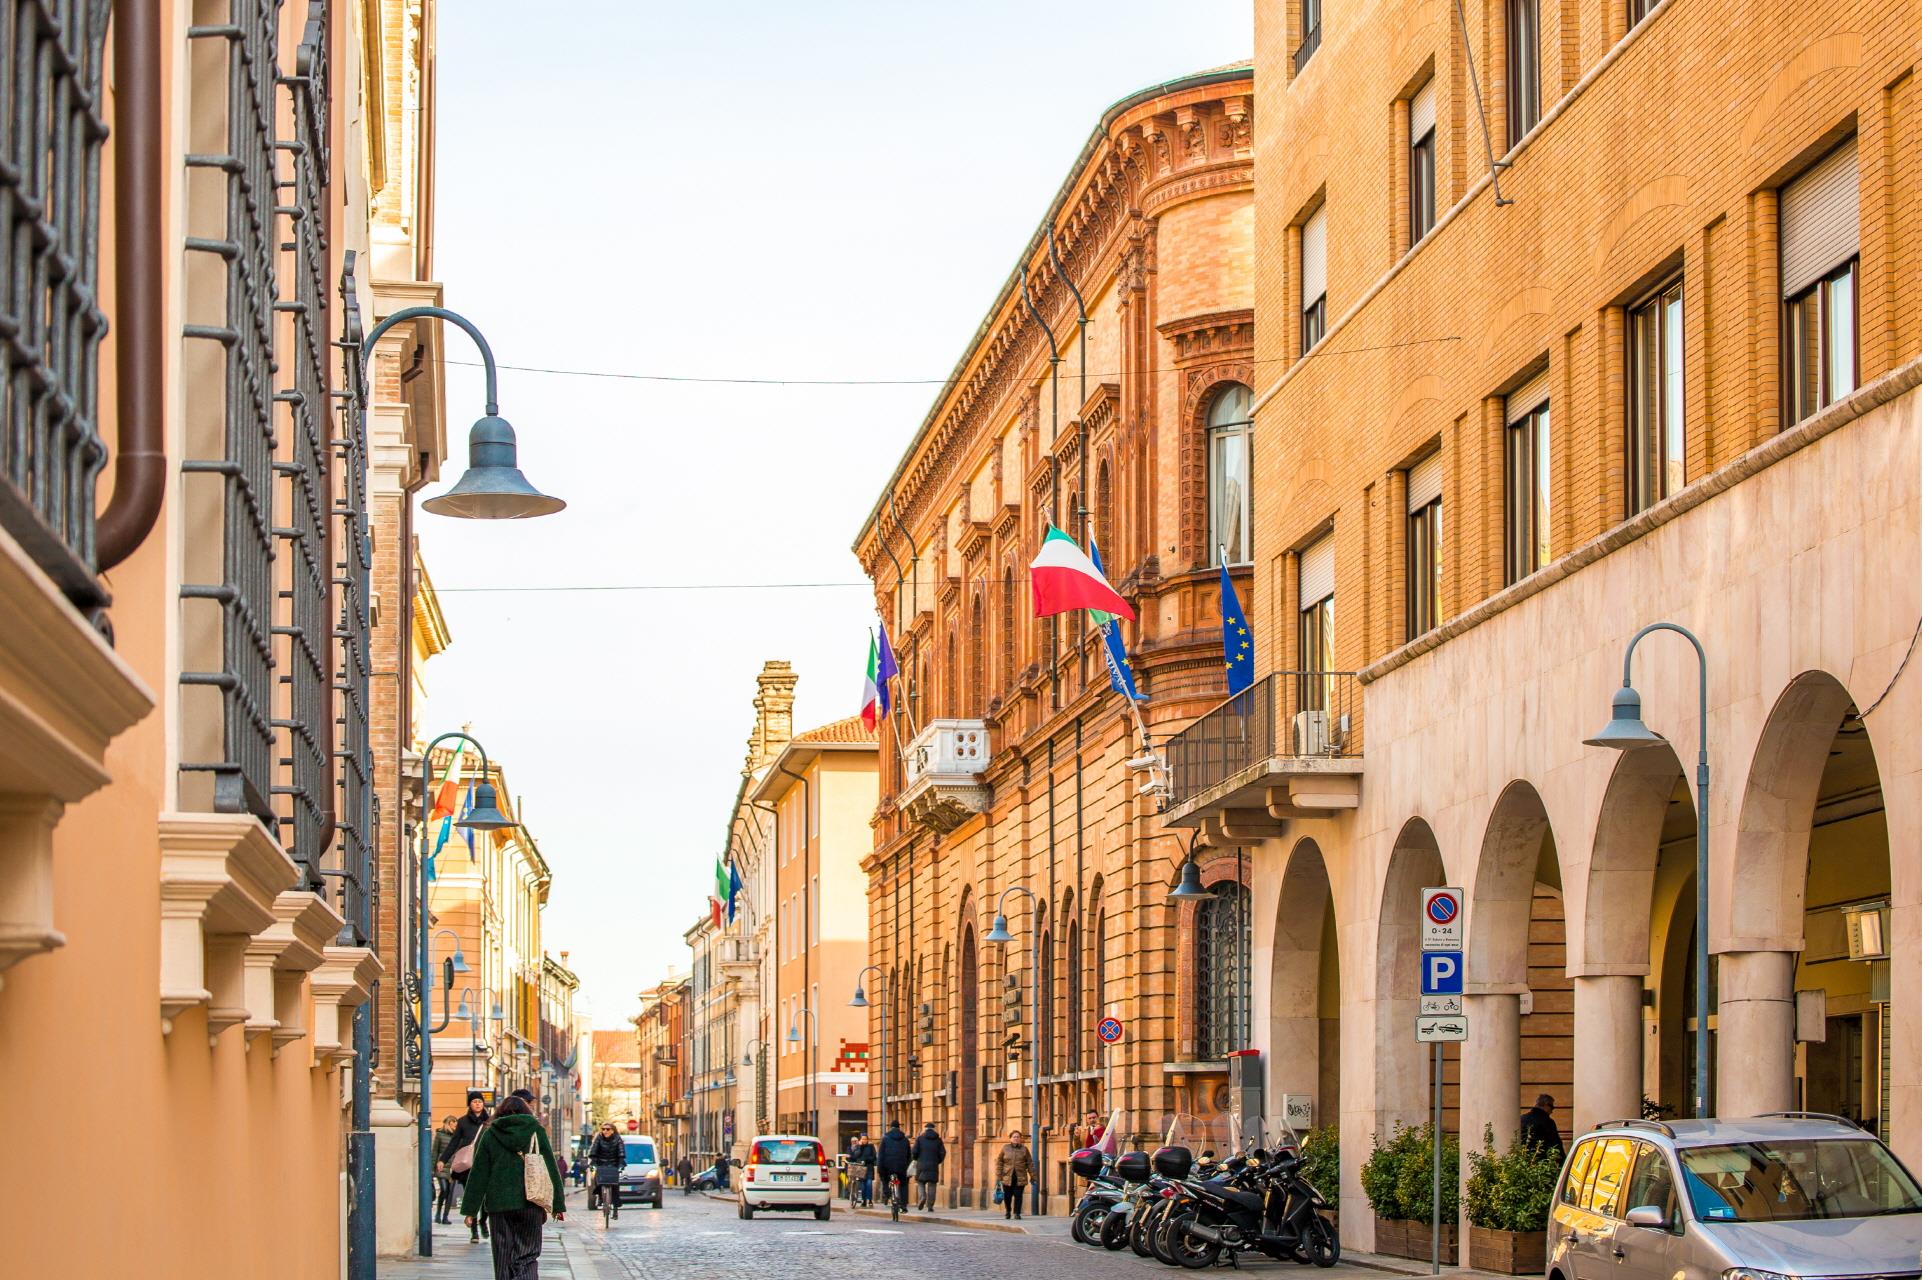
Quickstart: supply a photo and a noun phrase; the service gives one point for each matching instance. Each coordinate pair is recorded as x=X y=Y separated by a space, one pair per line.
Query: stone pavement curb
x=939 y=1220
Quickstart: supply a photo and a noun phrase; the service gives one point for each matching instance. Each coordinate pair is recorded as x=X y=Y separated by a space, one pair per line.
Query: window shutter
x=1820 y=217
x=1421 y=112
x=1318 y=571
x=1528 y=397
x=1314 y=257
x=1424 y=482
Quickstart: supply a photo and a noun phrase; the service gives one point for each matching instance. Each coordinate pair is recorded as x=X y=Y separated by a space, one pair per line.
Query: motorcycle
x=1266 y=1206
x=1105 y=1186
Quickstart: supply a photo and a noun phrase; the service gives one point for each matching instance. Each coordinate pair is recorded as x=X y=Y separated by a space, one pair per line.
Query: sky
x=758 y=191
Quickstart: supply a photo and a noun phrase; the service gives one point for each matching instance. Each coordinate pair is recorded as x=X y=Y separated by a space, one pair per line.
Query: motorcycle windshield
x=1210 y=1138
x=1109 y=1143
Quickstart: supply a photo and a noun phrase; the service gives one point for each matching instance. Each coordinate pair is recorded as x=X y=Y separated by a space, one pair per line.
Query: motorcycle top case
x=1133 y=1166
x=1174 y=1162
x=1085 y=1163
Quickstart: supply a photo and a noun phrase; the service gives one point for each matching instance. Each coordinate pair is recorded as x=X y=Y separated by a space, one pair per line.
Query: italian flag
x=1063 y=578
x=871 y=691
x=447 y=796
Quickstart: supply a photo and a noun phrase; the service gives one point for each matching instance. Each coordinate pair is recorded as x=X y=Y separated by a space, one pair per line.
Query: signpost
x=1442 y=1018
x=1109 y=1031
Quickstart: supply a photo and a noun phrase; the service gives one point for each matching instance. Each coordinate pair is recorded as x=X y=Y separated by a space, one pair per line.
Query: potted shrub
x=1321 y=1162
x=1508 y=1200
x=1398 y=1180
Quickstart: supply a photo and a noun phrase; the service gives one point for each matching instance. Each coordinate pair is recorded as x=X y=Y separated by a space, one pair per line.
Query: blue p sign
x=1441 y=973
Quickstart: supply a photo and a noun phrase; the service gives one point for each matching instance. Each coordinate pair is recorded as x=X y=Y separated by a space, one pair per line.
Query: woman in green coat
x=496 y=1187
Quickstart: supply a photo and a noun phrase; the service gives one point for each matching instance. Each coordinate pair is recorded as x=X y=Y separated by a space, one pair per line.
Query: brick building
x=1004 y=763
x=1703 y=271
x=660 y=1029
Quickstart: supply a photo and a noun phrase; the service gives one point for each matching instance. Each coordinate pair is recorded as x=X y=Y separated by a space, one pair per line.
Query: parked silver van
x=1776 y=1197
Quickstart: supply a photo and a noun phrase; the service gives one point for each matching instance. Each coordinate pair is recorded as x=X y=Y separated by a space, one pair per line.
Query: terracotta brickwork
x=1155 y=229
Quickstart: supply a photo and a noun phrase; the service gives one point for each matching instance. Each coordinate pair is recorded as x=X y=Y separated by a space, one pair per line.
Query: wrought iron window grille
x=51 y=324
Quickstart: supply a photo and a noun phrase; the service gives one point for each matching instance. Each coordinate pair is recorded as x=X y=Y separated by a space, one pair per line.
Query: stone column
x=1608 y=1049
x=1491 y=1087
x=1755 y=1037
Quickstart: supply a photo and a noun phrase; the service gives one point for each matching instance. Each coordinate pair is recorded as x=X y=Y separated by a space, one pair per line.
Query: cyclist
x=608 y=1155
x=893 y=1162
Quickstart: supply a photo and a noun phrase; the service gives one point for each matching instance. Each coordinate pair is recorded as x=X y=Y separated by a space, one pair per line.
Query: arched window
x=1221 y=971
x=1104 y=517
x=1077 y=1016
x=1230 y=506
x=1007 y=625
x=950 y=677
x=977 y=658
x=1045 y=1051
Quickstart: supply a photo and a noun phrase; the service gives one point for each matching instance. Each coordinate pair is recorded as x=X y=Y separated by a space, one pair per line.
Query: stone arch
x=1401 y=1064
x=1303 y=1028
x=1756 y=905
x=1504 y=890
x=1621 y=870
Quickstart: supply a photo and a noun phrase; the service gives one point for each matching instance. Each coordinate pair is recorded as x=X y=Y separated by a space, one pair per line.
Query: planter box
x=1512 y=1253
x=1400 y=1239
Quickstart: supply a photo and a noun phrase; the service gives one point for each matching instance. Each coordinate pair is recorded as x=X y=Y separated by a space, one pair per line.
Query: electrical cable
x=882 y=382
x=1900 y=667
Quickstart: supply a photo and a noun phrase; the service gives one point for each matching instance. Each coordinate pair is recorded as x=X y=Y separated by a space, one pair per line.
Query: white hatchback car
x=786 y=1171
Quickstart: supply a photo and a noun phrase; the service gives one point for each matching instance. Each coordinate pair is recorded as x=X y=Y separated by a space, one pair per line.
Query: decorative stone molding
x=220 y=876
x=278 y=961
x=64 y=695
x=342 y=983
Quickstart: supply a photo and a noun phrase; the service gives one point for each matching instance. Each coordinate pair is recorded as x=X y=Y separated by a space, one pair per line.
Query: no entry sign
x=1109 y=1030
x=1441 y=919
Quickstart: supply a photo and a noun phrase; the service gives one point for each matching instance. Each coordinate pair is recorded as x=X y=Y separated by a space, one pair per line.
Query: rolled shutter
x=1421 y=112
x=1528 y=397
x=1314 y=257
x=1820 y=219
x=1318 y=571
x=1424 y=482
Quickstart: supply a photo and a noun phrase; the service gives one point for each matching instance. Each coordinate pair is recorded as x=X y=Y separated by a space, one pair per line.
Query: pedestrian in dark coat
x=467 y=1131
x=496 y=1190
x=684 y=1171
x=1539 y=1130
x=443 y=1180
x=1014 y=1170
x=892 y=1161
x=929 y=1152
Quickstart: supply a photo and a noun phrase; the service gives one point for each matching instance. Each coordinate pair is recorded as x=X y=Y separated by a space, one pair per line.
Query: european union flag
x=1120 y=677
x=1237 y=645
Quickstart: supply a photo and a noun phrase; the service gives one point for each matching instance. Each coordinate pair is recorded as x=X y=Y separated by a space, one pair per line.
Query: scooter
x=1105 y=1187
x=1274 y=1211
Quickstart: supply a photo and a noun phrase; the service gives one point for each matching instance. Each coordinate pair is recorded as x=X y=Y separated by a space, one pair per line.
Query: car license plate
x=788 y=1177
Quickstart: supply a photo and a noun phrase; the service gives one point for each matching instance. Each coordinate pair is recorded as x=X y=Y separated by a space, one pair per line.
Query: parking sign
x=1441 y=973
x=1441 y=919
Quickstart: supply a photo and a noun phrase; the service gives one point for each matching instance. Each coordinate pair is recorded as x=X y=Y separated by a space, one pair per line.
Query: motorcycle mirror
x=1209 y=1154
x=1260 y=1156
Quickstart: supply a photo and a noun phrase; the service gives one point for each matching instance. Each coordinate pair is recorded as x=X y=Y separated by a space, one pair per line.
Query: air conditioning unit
x=1311 y=733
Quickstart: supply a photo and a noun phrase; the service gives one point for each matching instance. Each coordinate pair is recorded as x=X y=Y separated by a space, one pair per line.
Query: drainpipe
x=807 y=935
x=140 y=462
x=1081 y=428
x=1054 y=482
x=914 y=641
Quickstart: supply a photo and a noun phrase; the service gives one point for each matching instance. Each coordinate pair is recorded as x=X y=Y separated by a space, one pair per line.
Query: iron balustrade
x=1288 y=714
x=51 y=131
x=356 y=806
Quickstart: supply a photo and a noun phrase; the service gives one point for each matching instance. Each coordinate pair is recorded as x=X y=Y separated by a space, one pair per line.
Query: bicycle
x=897 y=1195
x=609 y=1195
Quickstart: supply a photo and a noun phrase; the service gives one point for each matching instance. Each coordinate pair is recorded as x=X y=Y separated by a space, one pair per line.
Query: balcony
x=1288 y=746
x=941 y=786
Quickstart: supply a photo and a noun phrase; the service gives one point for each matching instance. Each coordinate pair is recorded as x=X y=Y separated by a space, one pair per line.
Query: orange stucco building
x=189 y=832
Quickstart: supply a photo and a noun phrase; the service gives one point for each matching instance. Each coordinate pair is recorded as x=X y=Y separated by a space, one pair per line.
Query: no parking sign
x=1109 y=1030
x=1441 y=919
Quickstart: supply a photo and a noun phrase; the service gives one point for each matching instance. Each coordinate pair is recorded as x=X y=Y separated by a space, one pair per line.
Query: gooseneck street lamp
x=860 y=1001
x=483 y=815
x=999 y=934
x=1625 y=731
x=794 y=1037
x=492 y=488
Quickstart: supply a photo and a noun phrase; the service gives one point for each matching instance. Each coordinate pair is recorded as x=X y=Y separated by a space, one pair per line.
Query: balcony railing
x=1290 y=715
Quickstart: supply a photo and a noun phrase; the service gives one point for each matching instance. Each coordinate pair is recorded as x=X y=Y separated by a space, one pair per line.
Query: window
x=1820 y=217
x=1230 y=421
x=1795 y=1179
x=1657 y=441
x=1314 y=279
x=1424 y=545
x=1310 y=33
x=1639 y=9
x=1611 y=1171
x=1316 y=622
x=1221 y=972
x=1524 y=68
x=1652 y=1183
x=814 y=909
x=1421 y=163
x=1527 y=480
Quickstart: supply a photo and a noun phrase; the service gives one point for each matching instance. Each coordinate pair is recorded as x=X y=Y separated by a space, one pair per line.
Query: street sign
x=1441 y=973
x=1441 y=919
x=1436 y=1028
x=1438 y=1005
x=1109 y=1030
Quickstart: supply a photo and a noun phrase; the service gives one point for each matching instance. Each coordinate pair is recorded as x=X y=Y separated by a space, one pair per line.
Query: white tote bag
x=536 y=1185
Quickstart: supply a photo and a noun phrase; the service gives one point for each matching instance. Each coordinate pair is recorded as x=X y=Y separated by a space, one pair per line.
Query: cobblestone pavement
x=697 y=1236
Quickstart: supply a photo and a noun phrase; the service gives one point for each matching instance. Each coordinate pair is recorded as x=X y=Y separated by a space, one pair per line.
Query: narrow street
x=701 y=1235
